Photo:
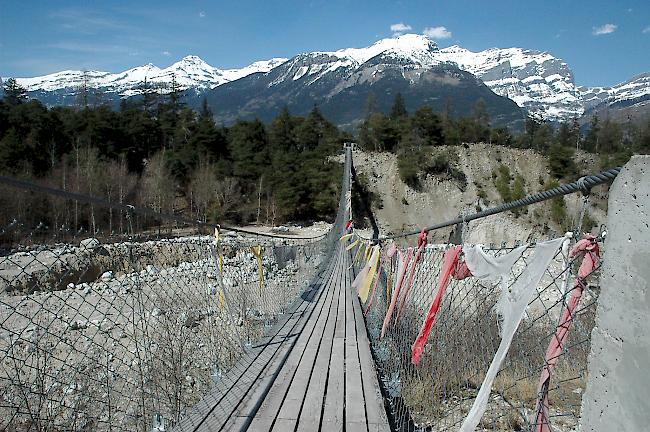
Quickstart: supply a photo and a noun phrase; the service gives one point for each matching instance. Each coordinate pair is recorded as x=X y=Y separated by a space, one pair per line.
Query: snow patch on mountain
x=632 y=91
x=536 y=81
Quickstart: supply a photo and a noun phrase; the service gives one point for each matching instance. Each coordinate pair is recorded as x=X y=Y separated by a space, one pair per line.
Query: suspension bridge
x=229 y=330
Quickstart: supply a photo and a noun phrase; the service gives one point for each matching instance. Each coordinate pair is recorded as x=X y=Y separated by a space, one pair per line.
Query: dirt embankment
x=442 y=197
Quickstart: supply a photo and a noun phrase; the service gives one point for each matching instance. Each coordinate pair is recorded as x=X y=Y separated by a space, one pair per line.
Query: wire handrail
x=583 y=184
x=144 y=211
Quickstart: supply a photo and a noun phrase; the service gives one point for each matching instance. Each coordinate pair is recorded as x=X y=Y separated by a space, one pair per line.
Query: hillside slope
x=342 y=95
x=443 y=198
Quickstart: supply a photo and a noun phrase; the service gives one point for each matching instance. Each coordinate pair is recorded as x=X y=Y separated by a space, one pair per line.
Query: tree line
x=155 y=151
x=411 y=136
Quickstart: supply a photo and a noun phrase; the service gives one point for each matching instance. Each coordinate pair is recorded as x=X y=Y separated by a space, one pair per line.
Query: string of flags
x=461 y=262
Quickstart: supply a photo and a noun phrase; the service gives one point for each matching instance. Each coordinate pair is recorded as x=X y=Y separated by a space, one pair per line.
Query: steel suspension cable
x=131 y=209
x=584 y=185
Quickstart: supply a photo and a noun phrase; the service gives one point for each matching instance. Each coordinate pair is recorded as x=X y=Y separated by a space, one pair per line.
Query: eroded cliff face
x=443 y=196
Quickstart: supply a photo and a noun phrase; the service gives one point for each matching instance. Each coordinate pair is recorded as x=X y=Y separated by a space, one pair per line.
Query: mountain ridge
x=540 y=83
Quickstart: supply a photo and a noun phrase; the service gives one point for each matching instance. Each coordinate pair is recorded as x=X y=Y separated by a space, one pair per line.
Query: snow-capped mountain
x=348 y=84
x=417 y=49
x=632 y=92
x=189 y=72
x=536 y=81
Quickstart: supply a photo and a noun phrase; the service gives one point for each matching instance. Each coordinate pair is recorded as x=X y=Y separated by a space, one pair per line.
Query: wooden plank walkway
x=313 y=372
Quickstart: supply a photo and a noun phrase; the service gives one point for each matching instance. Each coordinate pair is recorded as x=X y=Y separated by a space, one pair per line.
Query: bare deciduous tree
x=228 y=194
x=203 y=189
x=157 y=184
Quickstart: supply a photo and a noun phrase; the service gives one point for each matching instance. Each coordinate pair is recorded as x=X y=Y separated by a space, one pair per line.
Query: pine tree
x=281 y=132
x=382 y=132
x=248 y=146
x=563 y=135
x=610 y=137
x=205 y=109
x=428 y=126
x=482 y=120
x=593 y=135
x=148 y=94
x=83 y=90
x=399 y=107
x=371 y=104
x=643 y=138
x=575 y=132
x=560 y=160
x=532 y=124
x=14 y=93
x=174 y=95
x=543 y=137
x=311 y=132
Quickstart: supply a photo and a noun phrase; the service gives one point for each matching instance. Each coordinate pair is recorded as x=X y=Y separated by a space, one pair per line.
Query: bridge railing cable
x=583 y=185
x=136 y=209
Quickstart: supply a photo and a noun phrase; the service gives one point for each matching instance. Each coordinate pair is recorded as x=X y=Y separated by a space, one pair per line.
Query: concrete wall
x=617 y=397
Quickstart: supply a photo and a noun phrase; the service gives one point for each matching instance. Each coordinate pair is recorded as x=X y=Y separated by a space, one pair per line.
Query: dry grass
x=440 y=391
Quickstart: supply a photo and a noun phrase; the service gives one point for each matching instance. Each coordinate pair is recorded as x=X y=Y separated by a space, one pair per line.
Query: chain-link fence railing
x=108 y=335
x=437 y=394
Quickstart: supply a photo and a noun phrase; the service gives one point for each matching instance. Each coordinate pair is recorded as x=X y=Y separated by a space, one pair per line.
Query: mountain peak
x=192 y=59
x=413 y=46
x=410 y=41
x=146 y=67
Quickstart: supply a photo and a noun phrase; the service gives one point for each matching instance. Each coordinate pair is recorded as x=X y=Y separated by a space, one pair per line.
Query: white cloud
x=439 y=32
x=646 y=30
x=400 y=28
x=166 y=53
x=202 y=14
x=604 y=29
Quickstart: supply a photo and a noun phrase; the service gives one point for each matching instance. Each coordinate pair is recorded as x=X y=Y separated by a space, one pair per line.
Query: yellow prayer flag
x=257 y=251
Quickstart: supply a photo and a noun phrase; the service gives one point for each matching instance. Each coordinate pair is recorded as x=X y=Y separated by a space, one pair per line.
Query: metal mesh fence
x=437 y=394
x=116 y=332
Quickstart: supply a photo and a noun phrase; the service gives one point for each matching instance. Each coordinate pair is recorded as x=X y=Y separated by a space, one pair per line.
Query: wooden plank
x=272 y=402
x=339 y=332
x=335 y=397
x=296 y=393
x=374 y=400
x=382 y=427
x=356 y=427
x=312 y=408
x=284 y=425
x=315 y=372
x=248 y=386
x=355 y=412
x=328 y=426
x=234 y=425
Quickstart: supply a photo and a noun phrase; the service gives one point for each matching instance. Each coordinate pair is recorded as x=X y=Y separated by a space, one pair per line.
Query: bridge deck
x=314 y=370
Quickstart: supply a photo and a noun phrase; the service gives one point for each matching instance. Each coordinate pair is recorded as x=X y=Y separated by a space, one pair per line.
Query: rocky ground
x=95 y=334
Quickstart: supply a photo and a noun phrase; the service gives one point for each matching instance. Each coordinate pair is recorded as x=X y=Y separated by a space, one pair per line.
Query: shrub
x=502 y=183
x=407 y=165
x=558 y=207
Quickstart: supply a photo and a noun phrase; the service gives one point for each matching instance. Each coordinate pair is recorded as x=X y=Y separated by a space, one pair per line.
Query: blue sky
x=604 y=42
